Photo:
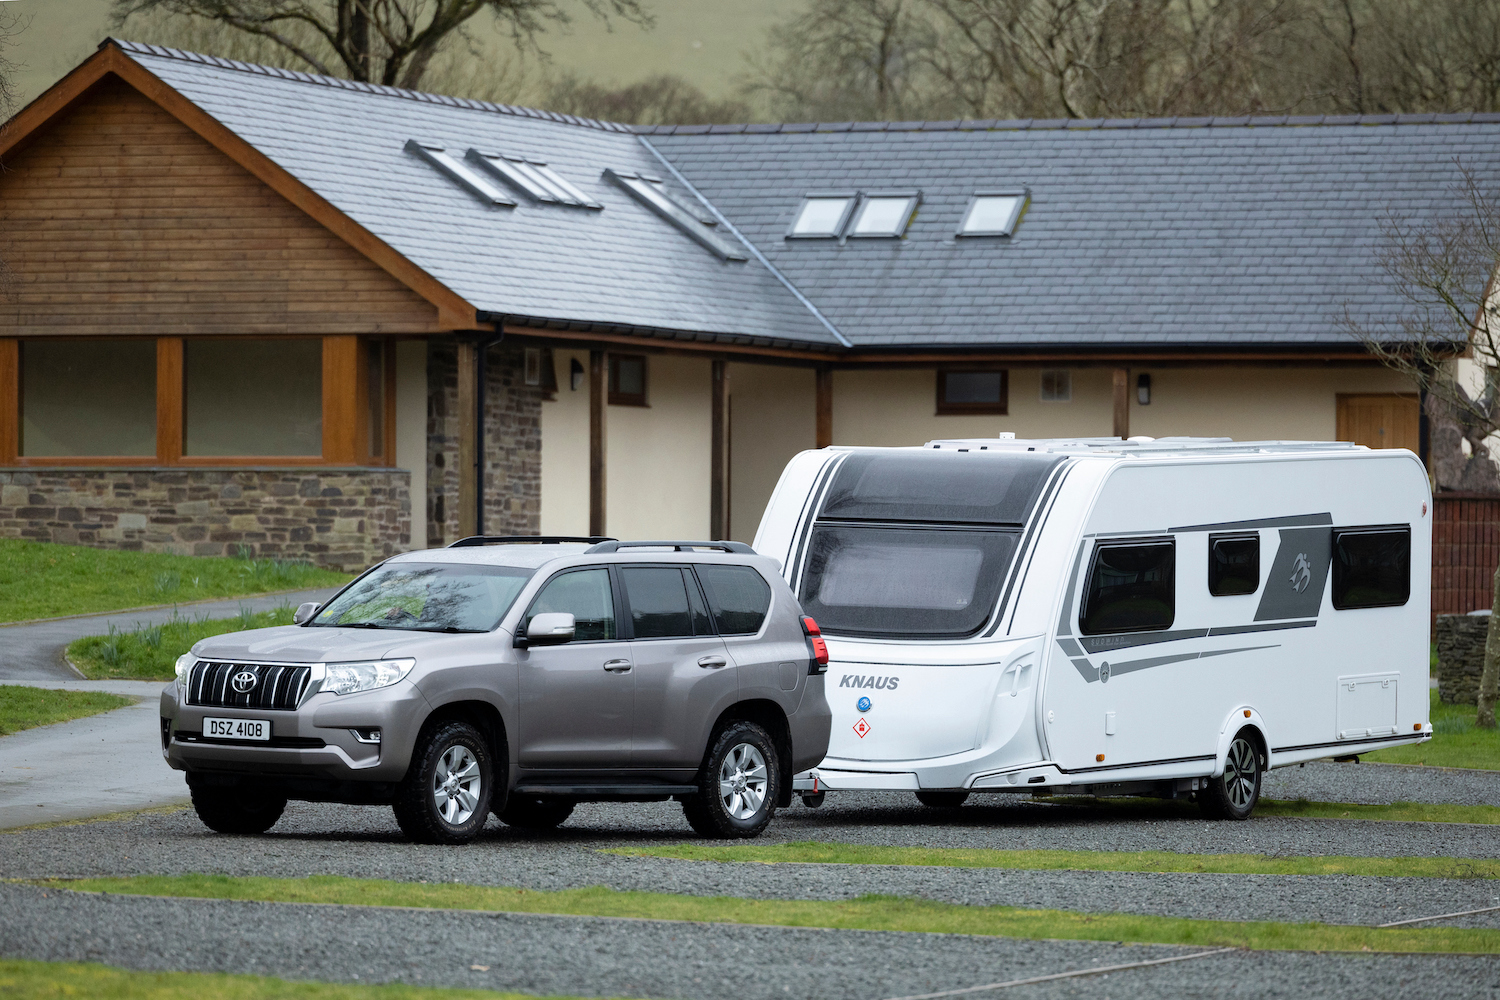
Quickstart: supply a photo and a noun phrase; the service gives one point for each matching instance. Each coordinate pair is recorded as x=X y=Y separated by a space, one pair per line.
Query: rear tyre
x=445 y=796
x=535 y=812
x=739 y=785
x=1233 y=794
x=234 y=810
x=943 y=800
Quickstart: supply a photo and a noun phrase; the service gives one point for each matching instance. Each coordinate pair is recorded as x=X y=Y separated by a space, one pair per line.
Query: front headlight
x=184 y=664
x=366 y=675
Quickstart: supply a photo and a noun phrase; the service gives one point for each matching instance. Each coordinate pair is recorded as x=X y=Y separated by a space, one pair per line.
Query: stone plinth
x=1460 y=651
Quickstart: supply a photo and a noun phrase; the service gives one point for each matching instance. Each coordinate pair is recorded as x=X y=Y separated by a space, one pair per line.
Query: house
x=255 y=307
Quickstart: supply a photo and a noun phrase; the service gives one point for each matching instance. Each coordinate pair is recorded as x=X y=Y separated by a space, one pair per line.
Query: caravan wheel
x=1233 y=795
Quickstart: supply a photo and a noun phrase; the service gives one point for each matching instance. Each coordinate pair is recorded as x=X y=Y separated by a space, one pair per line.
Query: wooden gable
x=118 y=219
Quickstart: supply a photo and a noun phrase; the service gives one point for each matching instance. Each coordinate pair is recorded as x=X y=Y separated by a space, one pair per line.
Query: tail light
x=819 y=663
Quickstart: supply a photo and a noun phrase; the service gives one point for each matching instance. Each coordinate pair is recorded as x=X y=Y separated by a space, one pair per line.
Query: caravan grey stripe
x=1087 y=670
x=1158 y=661
x=1108 y=643
x=1293 y=521
x=1274 y=627
x=1027 y=549
x=1070 y=646
x=1064 y=624
x=810 y=516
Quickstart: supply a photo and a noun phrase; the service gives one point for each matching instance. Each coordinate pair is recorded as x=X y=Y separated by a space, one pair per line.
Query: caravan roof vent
x=532 y=178
x=459 y=173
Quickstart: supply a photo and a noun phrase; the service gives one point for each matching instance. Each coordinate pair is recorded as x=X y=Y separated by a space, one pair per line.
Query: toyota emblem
x=244 y=681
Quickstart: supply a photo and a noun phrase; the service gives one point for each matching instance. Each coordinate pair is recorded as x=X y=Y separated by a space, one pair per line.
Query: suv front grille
x=277 y=687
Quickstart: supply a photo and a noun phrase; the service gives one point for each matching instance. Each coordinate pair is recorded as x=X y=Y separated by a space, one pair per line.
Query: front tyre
x=235 y=810
x=1233 y=794
x=445 y=796
x=739 y=785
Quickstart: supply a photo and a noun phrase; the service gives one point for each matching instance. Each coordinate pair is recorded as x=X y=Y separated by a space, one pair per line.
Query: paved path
x=35 y=651
x=99 y=764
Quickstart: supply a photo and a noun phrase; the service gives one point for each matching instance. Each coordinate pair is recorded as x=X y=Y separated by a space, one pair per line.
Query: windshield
x=428 y=598
x=904 y=581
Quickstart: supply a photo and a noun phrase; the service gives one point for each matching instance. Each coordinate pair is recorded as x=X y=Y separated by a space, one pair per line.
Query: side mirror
x=305 y=612
x=551 y=628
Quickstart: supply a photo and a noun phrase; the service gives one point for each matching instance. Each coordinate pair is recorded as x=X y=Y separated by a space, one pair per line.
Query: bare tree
x=1443 y=269
x=392 y=42
x=662 y=99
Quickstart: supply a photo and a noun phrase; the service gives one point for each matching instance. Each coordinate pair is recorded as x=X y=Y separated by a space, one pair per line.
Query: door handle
x=712 y=661
x=617 y=666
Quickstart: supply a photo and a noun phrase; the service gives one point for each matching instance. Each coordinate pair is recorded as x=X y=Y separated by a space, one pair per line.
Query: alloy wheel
x=1240 y=771
x=456 y=785
x=743 y=781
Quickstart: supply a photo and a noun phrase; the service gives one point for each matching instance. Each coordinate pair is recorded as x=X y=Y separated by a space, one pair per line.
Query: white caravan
x=1166 y=617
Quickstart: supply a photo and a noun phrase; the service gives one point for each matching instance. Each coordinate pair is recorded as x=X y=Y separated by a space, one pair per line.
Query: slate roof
x=1174 y=233
x=620 y=268
x=1191 y=234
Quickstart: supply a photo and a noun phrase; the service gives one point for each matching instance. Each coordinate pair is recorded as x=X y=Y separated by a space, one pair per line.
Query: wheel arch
x=486 y=718
x=1242 y=719
x=772 y=718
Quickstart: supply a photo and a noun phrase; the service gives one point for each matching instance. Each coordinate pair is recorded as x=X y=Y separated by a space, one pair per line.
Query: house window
x=822 y=216
x=1131 y=588
x=993 y=213
x=972 y=391
x=627 y=380
x=883 y=215
x=1057 y=385
x=1371 y=567
x=247 y=397
x=91 y=398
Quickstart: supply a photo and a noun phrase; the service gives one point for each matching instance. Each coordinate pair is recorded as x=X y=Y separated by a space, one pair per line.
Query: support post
x=718 y=489
x=598 y=398
x=824 y=394
x=1122 y=402
x=467 y=514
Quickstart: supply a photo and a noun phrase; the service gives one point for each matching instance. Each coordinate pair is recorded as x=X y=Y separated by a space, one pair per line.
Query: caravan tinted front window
x=904 y=581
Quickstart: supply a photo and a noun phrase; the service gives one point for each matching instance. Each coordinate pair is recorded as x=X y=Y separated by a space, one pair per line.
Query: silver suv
x=517 y=676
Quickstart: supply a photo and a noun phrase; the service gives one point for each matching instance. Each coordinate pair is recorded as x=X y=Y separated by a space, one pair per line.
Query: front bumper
x=318 y=740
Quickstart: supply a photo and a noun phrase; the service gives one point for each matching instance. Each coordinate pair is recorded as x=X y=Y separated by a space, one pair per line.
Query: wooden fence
x=1465 y=551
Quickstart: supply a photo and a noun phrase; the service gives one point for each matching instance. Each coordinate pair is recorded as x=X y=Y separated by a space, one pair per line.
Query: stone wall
x=344 y=519
x=1460 y=652
x=513 y=445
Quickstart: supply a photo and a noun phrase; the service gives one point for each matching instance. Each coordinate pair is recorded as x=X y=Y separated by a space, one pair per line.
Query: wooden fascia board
x=453 y=311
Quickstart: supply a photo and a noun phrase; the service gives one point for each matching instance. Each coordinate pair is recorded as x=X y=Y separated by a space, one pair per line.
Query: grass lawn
x=29 y=707
x=1456 y=742
x=821 y=852
x=149 y=652
x=56 y=980
x=41 y=580
x=886 y=913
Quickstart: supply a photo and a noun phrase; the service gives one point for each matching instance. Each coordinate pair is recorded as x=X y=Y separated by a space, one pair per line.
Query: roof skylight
x=650 y=192
x=993 y=213
x=458 y=172
x=883 y=214
x=531 y=177
x=822 y=216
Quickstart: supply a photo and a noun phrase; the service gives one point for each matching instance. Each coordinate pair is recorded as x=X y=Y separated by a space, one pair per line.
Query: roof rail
x=610 y=545
x=472 y=540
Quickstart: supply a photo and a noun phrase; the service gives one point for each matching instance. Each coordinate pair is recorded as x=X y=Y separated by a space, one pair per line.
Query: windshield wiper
x=447 y=628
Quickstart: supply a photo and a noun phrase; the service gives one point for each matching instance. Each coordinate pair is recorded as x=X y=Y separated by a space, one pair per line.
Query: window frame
x=1336 y=573
x=1088 y=579
x=852 y=202
x=1023 y=201
x=913 y=201
x=346 y=416
x=945 y=408
x=1233 y=536
x=618 y=398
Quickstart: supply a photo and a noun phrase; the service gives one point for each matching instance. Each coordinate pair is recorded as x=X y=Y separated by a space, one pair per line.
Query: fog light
x=366 y=735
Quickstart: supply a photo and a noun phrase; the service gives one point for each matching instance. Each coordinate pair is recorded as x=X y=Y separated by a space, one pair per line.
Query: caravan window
x=904 y=581
x=1131 y=588
x=1371 y=567
x=1233 y=565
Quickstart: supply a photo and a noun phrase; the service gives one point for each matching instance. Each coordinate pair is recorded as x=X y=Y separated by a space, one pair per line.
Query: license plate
x=237 y=729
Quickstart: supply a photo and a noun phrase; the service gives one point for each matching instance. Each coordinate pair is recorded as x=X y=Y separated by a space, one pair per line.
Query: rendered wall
x=772 y=417
x=411 y=428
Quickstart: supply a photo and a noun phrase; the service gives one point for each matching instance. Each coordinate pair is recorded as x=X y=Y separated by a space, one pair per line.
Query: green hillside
x=701 y=40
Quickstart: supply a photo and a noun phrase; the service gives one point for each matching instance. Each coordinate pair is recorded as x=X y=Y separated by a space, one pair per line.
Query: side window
x=738 y=597
x=658 y=601
x=1131 y=588
x=587 y=596
x=1233 y=565
x=1371 y=567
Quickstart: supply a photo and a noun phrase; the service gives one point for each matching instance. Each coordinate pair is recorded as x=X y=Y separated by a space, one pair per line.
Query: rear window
x=1371 y=567
x=900 y=581
x=738 y=596
x=1131 y=588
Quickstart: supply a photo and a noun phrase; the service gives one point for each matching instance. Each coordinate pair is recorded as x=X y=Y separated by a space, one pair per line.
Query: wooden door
x=1385 y=420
